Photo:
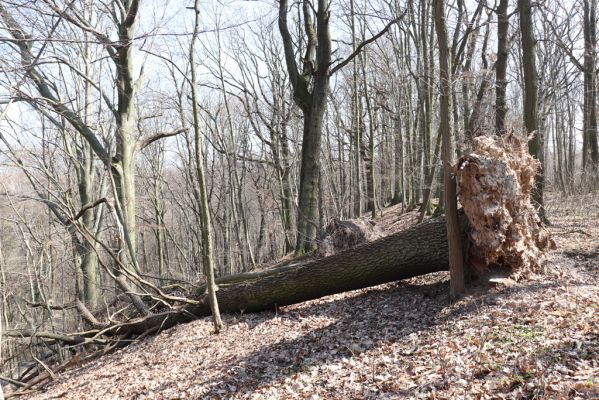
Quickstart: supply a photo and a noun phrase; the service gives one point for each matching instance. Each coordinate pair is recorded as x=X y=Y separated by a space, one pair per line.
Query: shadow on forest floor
x=400 y=311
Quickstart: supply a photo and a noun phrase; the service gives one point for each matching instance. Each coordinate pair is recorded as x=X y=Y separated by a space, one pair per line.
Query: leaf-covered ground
x=532 y=339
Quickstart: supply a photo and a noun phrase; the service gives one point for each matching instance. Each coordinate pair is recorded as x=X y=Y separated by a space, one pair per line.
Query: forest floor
x=538 y=338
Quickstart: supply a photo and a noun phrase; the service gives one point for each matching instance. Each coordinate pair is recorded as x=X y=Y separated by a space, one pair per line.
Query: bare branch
x=366 y=43
x=88 y=206
x=145 y=142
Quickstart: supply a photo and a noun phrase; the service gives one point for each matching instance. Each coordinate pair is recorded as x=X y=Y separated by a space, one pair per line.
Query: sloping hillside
x=538 y=338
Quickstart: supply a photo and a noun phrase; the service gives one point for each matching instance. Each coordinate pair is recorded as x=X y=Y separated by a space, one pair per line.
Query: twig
x=581 y=231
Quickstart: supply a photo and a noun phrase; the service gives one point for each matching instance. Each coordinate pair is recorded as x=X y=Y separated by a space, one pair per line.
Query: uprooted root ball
x=494 y=186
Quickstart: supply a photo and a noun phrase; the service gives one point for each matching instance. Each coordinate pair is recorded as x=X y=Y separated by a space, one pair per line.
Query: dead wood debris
x=494 y=186
x=531 y=339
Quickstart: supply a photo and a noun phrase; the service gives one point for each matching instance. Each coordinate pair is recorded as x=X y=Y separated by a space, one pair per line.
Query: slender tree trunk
x=369 y=152
x=398 y=185
x=535 y=144
x=206 y=228
x=87 y=252
x=454 y=240
x=160 y=226
x=503 y=25
x=89 y=262
x=590 y=145
x=427 y=110
x=430 y=178
x=356 y=124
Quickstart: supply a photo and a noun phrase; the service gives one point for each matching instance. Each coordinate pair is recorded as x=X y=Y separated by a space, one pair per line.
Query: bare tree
x=456 y=266
x=310 y=92
x=535 y=143
x=206 y=227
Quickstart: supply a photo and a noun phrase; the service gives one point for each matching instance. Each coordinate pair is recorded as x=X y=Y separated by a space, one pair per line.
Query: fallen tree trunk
x=419 y=250
x=495 y=182
x=500 y=227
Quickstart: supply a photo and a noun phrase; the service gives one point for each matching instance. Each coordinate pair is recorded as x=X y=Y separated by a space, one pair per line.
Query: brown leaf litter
x=537 y=338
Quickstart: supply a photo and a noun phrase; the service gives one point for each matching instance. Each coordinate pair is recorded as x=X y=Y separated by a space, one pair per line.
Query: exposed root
x=494 y=186
x=342 y=235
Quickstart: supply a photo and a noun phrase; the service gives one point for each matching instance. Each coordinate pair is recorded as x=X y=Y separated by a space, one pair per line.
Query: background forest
x=127 y=127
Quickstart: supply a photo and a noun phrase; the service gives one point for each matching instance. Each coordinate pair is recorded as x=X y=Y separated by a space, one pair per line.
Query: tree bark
x=419 y=250
x=503 y=25
x=456 y=262
x=531 y=89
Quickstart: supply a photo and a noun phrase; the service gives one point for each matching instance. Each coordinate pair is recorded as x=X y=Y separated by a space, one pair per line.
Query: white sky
x=164 y=23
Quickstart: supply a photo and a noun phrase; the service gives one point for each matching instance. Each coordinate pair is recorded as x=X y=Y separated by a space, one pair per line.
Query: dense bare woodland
x=162 y=162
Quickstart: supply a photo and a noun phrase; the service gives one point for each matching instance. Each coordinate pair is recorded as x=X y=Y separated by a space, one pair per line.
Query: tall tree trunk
x=86 y=249
x=123 y=162
x=356 y=124
x=503 y=25
x=206 y=227
x=398 y=160
x=454 y=240
x=473 y=120
x=85 y=156
x=287 y=193
x=531 y=123
x=159 y=216
x=589 y=144
x=369 y=151
x=312 y=101
x=430 y=178
x=427 y=111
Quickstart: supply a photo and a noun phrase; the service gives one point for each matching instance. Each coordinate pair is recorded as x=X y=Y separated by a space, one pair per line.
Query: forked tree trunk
x=310 y=91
